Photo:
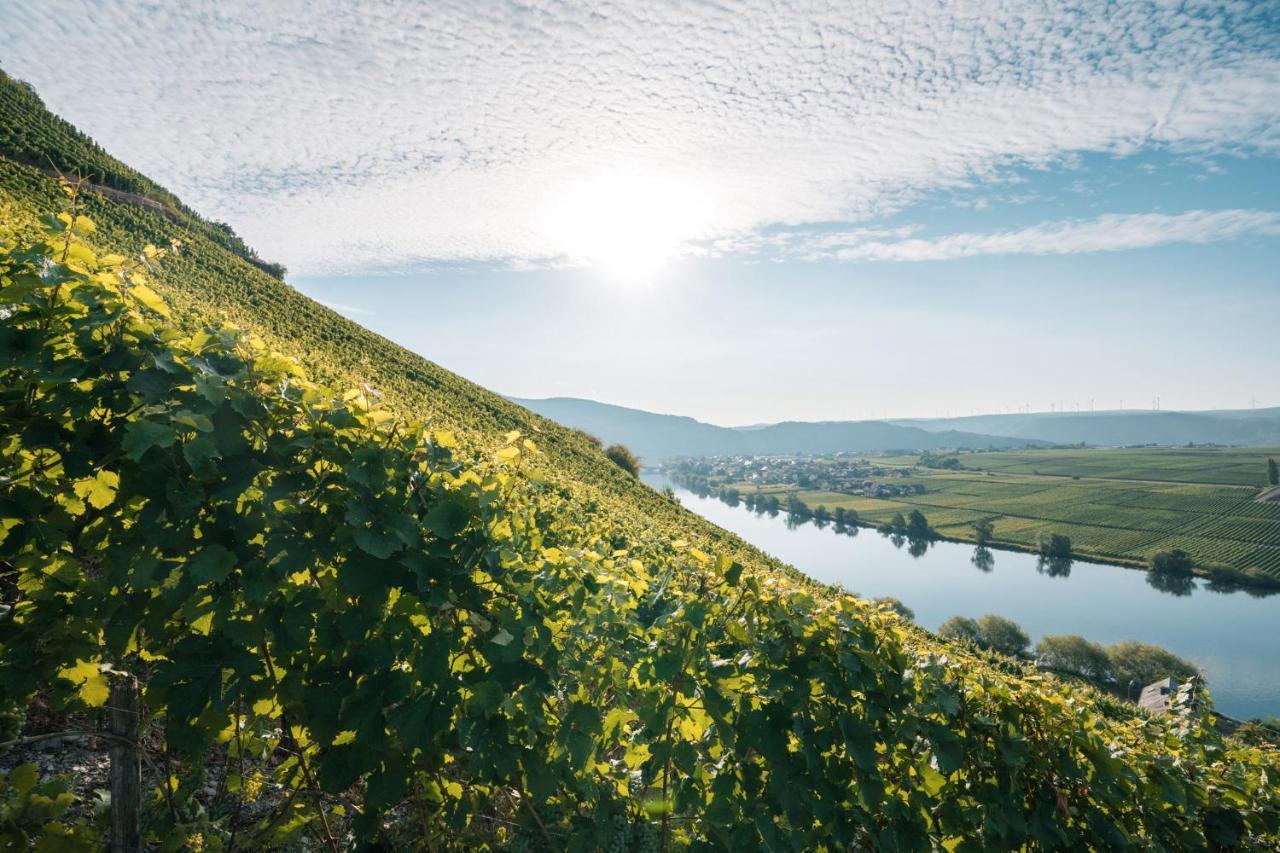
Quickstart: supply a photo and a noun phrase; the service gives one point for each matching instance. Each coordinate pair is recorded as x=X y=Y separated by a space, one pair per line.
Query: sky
x=743 y=212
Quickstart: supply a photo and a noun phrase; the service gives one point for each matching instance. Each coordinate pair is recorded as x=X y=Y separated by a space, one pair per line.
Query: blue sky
x=770 y=211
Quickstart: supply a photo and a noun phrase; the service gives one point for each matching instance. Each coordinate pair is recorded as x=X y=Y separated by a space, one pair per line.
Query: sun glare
x=627 y=227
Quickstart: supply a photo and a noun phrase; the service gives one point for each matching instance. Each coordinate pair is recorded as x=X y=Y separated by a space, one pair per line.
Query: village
x=845 y=474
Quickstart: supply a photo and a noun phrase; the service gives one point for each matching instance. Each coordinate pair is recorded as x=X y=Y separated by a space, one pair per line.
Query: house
x=1157 y=696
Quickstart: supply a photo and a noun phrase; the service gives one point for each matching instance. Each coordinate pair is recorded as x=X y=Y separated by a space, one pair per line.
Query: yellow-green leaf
x=276 y=364
x=99 y=490
x=150 y=299
x=92 y=683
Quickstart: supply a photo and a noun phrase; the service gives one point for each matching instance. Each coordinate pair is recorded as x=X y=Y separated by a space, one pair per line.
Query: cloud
x=338 y=135
x=1109 y=233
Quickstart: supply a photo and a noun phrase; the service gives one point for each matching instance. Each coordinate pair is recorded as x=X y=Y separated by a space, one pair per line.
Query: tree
x=622 y=457
x=1273 y=472
x=1055 y=555
x=1074 y=654
x=1055 y=547
x=918 y=526
x=1002 y=635
x=959 y=628
x=896 y=526
x=896 y=606
x=983 y=530
x=1175 y=564
x=1141 y=664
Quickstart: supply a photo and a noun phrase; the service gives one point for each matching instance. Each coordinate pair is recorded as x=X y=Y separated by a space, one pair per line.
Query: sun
x=628 y=227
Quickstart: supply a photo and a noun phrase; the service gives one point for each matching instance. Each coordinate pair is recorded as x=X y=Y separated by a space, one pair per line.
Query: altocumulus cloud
x=335 y=134
x=1109 y=233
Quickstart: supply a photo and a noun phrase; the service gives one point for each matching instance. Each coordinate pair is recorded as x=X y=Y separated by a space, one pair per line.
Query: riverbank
x=1232 y=537
x=1225 y=633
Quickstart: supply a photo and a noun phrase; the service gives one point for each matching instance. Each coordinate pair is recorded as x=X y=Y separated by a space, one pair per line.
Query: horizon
x=890 y=210
x=897 y=419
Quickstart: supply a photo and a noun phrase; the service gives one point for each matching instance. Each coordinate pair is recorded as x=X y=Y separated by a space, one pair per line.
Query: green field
x=1122 y=504
x=1226 y=466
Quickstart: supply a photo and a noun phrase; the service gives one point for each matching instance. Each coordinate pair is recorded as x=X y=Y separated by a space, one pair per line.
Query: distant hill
x=654 y=437
x=1260 y=427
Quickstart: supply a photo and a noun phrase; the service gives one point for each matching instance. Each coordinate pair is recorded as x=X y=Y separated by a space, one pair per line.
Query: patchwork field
x=1226 y=466
x=1123 y=505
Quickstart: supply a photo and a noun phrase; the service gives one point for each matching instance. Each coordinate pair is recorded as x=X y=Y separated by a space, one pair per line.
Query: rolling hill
x=368 y=603
x=654 y=437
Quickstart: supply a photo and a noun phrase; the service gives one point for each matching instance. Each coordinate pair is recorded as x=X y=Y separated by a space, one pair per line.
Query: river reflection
x=1230 y=633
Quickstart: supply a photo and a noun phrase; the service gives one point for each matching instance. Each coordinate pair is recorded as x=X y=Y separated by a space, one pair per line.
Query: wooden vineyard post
x=126 y=764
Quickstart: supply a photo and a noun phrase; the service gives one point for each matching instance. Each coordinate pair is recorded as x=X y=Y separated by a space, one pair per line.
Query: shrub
x=1002 y=635
x=960 y=628
x=1074 y=654
x=594 y=441
x=1141 y=664
x=622 y=457
x=896 y=606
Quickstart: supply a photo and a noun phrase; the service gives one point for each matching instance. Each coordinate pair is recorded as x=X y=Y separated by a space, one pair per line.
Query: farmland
x=1225 y=466
x=1117 y=505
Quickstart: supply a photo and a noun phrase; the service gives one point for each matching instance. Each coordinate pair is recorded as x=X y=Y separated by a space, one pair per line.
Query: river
x=1231 y=636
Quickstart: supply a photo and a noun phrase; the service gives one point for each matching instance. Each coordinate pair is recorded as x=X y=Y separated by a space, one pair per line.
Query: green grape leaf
x=446 y=519
x=141 y=436
x=212 y=565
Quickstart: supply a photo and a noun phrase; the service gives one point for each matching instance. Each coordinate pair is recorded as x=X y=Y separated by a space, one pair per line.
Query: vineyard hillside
x=316 y=592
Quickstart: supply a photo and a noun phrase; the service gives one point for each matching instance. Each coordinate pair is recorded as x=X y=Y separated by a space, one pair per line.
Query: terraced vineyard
x=1121 y=505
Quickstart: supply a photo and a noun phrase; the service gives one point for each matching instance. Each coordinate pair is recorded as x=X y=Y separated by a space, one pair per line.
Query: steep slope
x=31 y=135
x=1257 y=428
x=209 y=283
x=656 y=437
x=374 y=634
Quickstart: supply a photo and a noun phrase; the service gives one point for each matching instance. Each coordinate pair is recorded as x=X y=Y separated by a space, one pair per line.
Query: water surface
x=1231 y=636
